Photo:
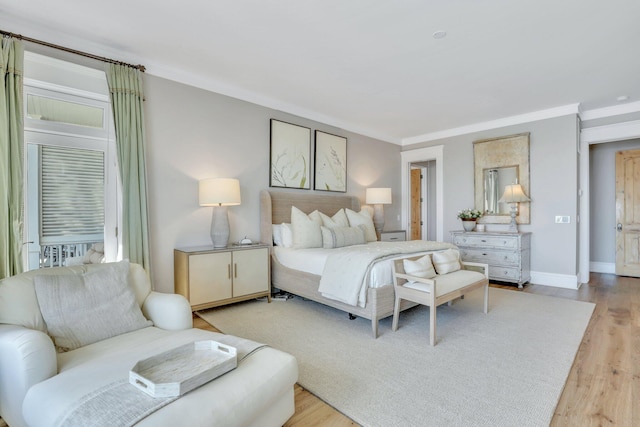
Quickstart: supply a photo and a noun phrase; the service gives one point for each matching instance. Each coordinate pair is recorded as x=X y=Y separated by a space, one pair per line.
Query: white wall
x=553 y=182
x=194 y=134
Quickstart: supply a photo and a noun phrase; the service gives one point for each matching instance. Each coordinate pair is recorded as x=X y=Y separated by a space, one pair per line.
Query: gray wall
x=602 y=207
x=553 y=182
x=194 y=134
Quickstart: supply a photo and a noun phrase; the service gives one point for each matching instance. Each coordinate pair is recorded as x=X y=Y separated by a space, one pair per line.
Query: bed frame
x=275 y=208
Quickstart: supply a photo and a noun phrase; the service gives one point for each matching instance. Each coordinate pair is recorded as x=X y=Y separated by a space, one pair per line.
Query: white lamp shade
x=378 y=196
x=219 y=192
x=514 y=193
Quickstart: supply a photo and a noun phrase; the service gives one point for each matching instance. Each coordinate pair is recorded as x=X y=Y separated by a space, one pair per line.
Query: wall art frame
x=330 y=164
x=290 y=152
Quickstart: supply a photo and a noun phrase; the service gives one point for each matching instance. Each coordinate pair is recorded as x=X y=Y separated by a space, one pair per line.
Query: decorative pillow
x=95 y=254
x=287 y=235
x=276 y=232
x=422 y=267
x=363 y=218
x=83 y=309
x=339 y=219
x=338 y=237
x=306 y=230
x=446 y=261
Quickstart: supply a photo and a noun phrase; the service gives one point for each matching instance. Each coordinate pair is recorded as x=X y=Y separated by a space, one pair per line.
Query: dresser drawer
x=508 y=274
x=482 y=241
x=393 y=236
x=491 y=257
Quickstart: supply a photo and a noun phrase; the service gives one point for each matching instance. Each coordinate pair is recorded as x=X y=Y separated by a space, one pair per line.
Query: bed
x=275 y=208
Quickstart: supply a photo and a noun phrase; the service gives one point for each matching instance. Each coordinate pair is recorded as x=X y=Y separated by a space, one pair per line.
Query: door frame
x=589 y=136
x=422 y=155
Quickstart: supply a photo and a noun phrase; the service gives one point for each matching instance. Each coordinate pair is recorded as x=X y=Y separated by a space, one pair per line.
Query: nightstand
x=393 y=236
x=210 y=277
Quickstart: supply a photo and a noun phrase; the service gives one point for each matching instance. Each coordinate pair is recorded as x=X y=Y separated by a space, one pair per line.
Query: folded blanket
x=343 y=278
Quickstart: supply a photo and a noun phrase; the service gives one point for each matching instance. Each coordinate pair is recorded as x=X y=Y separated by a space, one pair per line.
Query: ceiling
x=368 y=66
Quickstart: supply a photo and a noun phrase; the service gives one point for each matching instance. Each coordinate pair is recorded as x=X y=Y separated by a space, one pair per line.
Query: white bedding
x=378 y=274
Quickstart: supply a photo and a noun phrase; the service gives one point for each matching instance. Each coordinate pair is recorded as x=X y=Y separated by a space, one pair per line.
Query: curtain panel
x=125 y=86
x=11 y=157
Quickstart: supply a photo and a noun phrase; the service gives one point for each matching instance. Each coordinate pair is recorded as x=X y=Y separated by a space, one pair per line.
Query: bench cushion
x=446 y=283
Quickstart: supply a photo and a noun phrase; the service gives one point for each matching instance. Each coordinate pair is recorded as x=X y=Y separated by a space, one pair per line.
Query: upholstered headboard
x=275 y=207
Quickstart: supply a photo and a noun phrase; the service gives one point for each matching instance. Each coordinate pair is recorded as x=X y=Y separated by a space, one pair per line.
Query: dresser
x=210 y=277
x=507 y=254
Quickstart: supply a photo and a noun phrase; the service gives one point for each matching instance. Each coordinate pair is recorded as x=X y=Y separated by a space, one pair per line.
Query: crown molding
x=550 y=113
x=614 y=110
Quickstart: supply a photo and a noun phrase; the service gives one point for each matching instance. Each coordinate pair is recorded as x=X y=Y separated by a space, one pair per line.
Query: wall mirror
x=499 y=162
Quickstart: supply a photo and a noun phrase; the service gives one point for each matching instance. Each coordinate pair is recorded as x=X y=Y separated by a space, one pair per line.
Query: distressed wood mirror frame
x=502 y=152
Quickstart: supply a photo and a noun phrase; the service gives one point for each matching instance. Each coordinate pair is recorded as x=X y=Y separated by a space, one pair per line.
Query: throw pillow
x=276 y=232
x=363 y=218
x=446 y=261
x=338 y=237
x=422 y=267
x=306 y=230
x=339 y=219
x=83 y=309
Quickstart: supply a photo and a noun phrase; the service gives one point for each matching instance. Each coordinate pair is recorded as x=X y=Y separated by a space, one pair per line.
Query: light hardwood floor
x=603 y=388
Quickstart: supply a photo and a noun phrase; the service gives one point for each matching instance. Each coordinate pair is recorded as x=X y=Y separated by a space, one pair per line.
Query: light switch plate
x=563 y=219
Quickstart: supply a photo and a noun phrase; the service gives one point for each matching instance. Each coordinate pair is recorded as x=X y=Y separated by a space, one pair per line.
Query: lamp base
x=220 y=227
x=513 y=226
x=378 y=219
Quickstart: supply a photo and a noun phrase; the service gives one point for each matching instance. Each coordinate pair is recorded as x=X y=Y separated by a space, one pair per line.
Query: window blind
x=71 y=195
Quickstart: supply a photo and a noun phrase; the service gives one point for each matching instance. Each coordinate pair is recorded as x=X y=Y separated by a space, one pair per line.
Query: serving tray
x=180 y=370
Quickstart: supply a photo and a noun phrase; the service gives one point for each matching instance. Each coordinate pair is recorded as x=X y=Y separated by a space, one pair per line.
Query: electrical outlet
x=563 y=219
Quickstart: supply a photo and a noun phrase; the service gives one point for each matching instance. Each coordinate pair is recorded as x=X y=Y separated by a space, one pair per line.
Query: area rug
x=505 y=368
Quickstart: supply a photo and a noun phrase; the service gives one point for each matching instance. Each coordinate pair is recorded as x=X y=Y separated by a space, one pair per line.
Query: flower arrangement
x=469 y=214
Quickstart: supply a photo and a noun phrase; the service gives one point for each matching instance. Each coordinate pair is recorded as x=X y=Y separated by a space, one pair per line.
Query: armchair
x=40 y=386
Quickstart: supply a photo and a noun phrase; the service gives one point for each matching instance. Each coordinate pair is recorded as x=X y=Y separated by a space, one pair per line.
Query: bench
x=437 y=289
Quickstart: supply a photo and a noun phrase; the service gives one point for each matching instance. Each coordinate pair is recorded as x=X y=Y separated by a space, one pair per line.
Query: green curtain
x=11 y=157
x=125 y=86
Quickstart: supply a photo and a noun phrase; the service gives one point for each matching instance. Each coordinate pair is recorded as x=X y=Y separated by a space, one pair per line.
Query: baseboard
x=566 y=281
x=602 y=267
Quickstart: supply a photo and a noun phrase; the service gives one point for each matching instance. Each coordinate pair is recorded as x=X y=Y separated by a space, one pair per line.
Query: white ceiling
x=368 y=66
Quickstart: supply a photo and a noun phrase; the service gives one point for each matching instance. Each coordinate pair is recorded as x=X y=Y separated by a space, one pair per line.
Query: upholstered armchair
x=54 y=359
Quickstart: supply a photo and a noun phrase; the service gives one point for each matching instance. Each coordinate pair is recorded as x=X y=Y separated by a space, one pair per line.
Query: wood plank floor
x=603 y=388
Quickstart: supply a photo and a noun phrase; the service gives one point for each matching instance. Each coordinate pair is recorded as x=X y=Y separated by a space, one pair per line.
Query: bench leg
x=396 y=313
x=374 y=326
x=432 y=324
x=486 y=298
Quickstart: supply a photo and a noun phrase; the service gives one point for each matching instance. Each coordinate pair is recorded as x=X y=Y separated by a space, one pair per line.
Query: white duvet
x=346 y=273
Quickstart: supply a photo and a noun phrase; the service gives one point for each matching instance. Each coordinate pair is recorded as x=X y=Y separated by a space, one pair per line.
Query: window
x=71 y=192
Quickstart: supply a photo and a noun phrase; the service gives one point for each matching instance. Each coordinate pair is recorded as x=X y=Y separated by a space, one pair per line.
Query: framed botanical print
x=290 y=153
x=330 y=162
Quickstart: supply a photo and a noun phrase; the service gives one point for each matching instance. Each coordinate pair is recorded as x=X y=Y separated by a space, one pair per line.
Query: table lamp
x=219 y=193
x=378 y=197
x=513 y=194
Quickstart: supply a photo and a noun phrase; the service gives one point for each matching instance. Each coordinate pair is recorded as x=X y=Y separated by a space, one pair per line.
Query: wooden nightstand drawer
x=393 y=236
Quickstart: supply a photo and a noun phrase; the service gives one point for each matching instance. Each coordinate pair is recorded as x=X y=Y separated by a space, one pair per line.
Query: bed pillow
x=80 y=309
x=287 y=235
x=338 y=237
x=363 y=218
x=446 y=261
x=306 y=230
x=422 y=267
x=276 y=232
x=339 y=219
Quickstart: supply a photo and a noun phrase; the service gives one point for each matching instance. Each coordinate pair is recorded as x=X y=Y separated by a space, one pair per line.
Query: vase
x=468 y=224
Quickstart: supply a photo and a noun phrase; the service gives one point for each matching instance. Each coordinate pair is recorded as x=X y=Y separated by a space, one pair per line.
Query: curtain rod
x=77 y=52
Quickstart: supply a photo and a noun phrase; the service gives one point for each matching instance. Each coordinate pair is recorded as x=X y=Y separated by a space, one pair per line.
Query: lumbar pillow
x=338 y=237
x=363 y=218
x=446 y=261
x=306 y=229
x=80 y=309
x=422 y=267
